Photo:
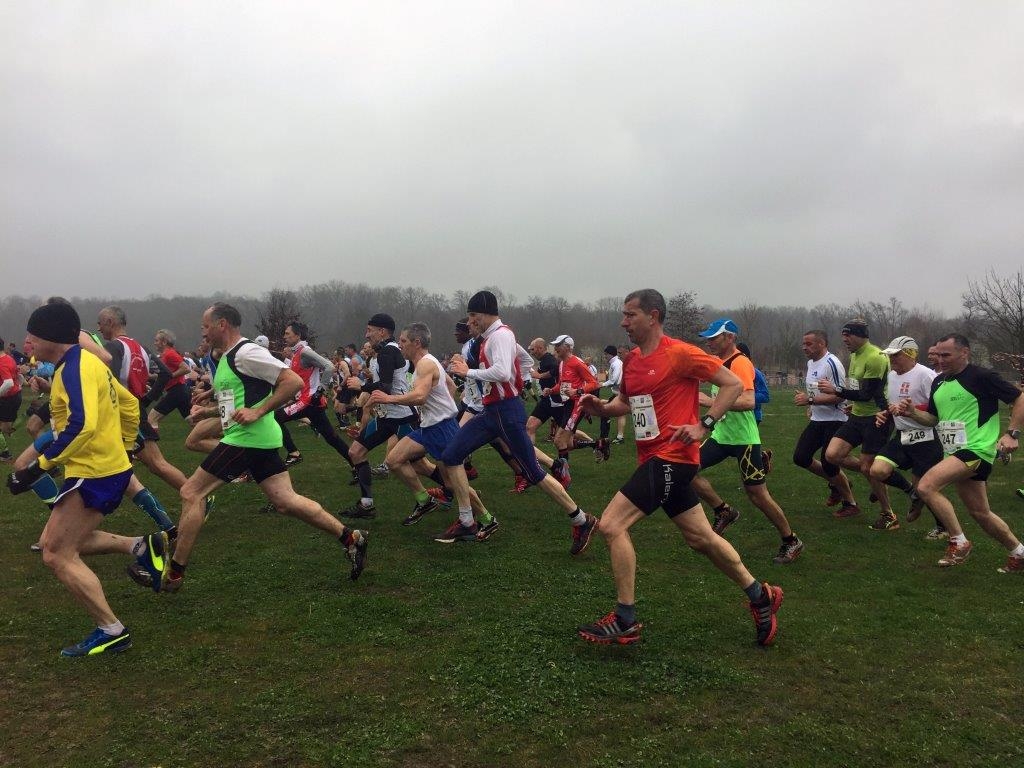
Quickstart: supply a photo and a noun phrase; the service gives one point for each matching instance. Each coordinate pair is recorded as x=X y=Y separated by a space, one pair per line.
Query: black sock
x=436 y=476
x=898 y=481
x=365 y=479
x=346 y=537
x=626 y=613
x=177 y=569
x=791 y=539
x=755 y=592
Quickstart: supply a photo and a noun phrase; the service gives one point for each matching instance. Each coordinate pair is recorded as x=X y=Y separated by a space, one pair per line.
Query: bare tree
x=278 y=309
x=685 y=318
x=994 y=312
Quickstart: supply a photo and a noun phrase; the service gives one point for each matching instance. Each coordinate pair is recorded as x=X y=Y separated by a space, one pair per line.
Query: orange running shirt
x=662 y=390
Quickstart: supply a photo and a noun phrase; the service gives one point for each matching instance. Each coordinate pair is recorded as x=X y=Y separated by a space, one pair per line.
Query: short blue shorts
x=436 y=437
x=102 y=494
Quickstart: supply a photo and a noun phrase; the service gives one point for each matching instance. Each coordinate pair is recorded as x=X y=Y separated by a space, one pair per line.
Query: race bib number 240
x=645 y=420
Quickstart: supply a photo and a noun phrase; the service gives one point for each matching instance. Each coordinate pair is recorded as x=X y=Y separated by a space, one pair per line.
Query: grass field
x=467 y=656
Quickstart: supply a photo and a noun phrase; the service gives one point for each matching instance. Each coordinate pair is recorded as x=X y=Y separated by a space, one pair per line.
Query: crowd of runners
x=425 y=416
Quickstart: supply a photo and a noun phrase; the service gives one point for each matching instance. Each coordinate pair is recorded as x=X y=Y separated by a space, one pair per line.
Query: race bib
x=226 y=407
x=380 y=410
x=952 y=435
x=645 y=420
x=852 y=384
x=813 y=391
x=915 y=436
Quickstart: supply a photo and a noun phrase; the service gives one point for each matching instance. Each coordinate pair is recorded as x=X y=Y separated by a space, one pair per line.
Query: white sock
x=579 y=518
x=139 y=546
x=959 y=540
x=466 y=517
x=112 y=629
x=366 y=501
x=1018 y=551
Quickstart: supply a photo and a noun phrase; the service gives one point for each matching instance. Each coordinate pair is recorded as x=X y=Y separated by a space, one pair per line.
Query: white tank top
x=439 y=405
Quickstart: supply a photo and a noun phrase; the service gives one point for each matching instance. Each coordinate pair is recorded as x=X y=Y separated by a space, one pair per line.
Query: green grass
x=467 y=656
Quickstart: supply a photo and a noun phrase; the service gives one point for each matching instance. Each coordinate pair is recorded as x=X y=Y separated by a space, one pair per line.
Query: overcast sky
x=781 y=153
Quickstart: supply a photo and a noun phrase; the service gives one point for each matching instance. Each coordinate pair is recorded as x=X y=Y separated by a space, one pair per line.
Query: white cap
x=263 y=341
x=900 y=344
x=564 y=339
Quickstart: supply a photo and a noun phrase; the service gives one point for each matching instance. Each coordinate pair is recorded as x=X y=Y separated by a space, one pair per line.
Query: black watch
x=1013 y=434
x=709 y=421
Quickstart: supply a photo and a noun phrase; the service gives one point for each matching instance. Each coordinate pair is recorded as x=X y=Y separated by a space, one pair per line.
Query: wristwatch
x=709 y=421
x=1013 y=434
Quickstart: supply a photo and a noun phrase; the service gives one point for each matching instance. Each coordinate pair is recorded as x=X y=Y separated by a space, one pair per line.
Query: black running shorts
x=660 y=483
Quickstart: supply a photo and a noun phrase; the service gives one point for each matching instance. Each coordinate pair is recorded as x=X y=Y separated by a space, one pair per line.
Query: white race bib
x=915 y=436
x=226 y=407
x=380 y=410
x=952 y=435
x=852 y=384
x=645 y=420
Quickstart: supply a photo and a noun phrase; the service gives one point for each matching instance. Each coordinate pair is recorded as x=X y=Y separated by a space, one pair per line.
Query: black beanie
x=58 y=323
x=856 y=328
x=381 y=320
x=483 y=302
x=611 y=350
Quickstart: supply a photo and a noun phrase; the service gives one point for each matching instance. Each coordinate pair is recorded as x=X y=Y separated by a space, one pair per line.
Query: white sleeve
x=501 y=351
x=253 y=360
x=525 y=362
x=6 y=386
x=313 y=359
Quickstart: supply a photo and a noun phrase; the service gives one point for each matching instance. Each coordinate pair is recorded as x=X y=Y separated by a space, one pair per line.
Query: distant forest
x=336 y=312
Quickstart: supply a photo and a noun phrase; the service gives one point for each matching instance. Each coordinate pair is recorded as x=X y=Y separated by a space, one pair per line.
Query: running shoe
x=268 y=508
x=886 y=521
x=609 y=629
x=139 y=575
x=937 y=533
x=847 y=510
x=156 y=560
x=834 y=496
x=520 y=485
x=581 y=534
x=292 y=459
x=381 y=470
x=724 y=518
x=441 y=495
x=618 y=441
x=487 y=529
x=172 y=583
x=472 y=473
x=359 y=511
x=766 y=459
x=420 y=510
x=100 y=642
x=603 y=451
x=1020 y=493
x=458 y=532
x=560 y=471
x=356 y=552
x=956 y=554
x=245 y=477
x=764 y=612
x=37 y=548
x=917 y=506
x=6 y=457
x=788 y=552
x=1014 y=564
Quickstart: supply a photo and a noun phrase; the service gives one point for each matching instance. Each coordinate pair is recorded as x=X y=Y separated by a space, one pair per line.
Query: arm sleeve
x=614 y=375
x=312 y=359
x=8 y=384
x=388 y=361
x=1000 y=387
x=870 y=389
x=501 y=351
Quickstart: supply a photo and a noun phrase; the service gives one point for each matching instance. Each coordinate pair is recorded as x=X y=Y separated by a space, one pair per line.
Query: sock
x=579 y=517
x=139 y=546
x=466 y=516
x=437 y=477
x=959 y=540
x=619 y=436
x=147 y=502
x=722 y=507
x=365 y=478
x=346 y=538
x=755 y=592
x=422 y=497
x=46 y=488
x=366 y=501
x=1018 y=551
x=564 y=456
x=791 y=539
x=486 y=517
x=3 y=442
x=177 y=569
x=897 y=480
x=112 y=629
x=626 y=613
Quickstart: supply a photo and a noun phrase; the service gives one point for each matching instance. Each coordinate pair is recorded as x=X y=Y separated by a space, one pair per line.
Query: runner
x=964 y=408
x=736 y=436
x=10 y=400
x=175 y=396
x=660 y=386
x=250 y=384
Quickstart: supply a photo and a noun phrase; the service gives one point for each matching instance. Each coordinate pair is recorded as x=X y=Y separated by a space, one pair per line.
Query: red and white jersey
x=662 y=391
x=500 y=373
x=310 y=376
x=134 y=373
x=9 y=372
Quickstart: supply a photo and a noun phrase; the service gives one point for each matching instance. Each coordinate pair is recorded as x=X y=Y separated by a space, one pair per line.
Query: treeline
x=336 y=312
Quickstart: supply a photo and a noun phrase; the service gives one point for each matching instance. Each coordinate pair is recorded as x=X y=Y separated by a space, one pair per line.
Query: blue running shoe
x=156 y=560
x=100 y=642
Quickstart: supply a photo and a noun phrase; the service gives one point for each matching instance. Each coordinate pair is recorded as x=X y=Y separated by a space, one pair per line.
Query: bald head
x=538 y=347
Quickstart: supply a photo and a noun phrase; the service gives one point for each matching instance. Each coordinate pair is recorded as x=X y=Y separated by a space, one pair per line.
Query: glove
x=22 y=480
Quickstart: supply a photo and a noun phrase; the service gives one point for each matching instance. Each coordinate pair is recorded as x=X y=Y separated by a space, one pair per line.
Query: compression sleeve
x=312 y=359
x=870 y=389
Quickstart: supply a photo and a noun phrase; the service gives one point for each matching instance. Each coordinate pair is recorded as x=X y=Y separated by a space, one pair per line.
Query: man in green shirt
x=249 y=385
x=736 y=435
x=964 y=409
x=865 y=390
